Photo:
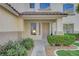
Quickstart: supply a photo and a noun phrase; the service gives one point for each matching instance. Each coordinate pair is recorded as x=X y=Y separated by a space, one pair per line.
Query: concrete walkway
x=39 y=48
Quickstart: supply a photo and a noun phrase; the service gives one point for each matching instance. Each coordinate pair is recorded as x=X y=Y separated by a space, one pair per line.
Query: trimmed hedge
x=55 y=39
x=61 y=39
x=76 y=35
x=69 y=39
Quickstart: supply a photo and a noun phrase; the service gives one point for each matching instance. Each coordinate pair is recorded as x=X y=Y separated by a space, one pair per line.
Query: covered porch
x=42 y=24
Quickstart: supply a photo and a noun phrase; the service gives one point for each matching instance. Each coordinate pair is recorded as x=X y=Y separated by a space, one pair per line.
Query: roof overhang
x=34 y=15
x=10 y=8
x=43 y=15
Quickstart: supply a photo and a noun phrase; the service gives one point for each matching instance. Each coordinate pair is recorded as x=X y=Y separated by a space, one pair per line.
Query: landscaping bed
x=58 y=42
x=50 y=50
x=17 y=48
x=68 y=52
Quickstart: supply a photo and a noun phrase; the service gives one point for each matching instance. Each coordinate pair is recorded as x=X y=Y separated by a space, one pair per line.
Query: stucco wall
x=9 y=22
x=6 y=36
x=11 y=26
x=60 y=26
x=23 y=7
x=74 y=19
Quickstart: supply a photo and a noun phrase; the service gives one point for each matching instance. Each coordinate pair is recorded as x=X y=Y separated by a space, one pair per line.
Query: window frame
x=46 y=7
x=30 y=5
x=68 y=28
x=33 y=29
x=71 y=11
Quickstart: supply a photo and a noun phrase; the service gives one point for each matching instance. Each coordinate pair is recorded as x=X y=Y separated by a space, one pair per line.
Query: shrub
x=8 y=45
x=55 y=39
x=3 y=52
x=76 y=35
x=28 y=43
x=22 y=51
x=13 y=49
x=50 y=40
x=4 y=48
x=69 y=39
x=77 y=9
x=18 y=50
x=61 y=39
x=12 y=52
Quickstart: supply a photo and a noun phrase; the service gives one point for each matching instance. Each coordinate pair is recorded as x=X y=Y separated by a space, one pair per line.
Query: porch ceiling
x=43 y=15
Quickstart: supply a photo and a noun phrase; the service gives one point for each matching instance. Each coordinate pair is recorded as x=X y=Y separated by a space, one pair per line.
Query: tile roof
x=43 y=13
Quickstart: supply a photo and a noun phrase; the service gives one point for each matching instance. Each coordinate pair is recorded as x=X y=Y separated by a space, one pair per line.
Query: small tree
x=77 y=9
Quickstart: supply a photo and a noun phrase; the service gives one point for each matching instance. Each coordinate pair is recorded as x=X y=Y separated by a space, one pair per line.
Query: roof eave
x=10 y=8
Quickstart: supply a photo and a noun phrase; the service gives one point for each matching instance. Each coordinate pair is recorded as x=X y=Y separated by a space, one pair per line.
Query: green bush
x=2 y=52
x=55 y=39
x=69 y=39
x=4 y=48
x=77 y=8
x=17 y=50
x=28 y=43
x=61 y=39
x=12 y=52
x=50 y=40
x=76 y=35
x=8 y=45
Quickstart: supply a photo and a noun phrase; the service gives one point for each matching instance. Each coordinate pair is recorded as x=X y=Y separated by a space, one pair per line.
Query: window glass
x=68 y=28
x=44 y=5
x=32 y=5
x=68 y=7
x=33 y=28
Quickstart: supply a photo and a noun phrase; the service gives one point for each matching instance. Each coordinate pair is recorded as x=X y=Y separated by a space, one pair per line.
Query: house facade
x=37 y=20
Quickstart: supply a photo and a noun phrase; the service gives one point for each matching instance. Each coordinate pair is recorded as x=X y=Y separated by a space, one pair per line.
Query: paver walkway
x=39 y=48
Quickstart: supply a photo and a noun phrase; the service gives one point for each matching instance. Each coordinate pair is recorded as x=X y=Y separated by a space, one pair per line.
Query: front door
x=45 y=30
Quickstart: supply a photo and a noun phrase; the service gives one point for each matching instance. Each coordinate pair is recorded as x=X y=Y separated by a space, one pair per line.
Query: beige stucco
x=11 y=26
x=74 y=19
x=9 y=22
x=6 y=36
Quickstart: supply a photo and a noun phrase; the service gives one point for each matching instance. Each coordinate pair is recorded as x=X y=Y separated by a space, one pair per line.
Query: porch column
x=50 y=32
x=38 y=29
x=59 y=27
x=54 y=26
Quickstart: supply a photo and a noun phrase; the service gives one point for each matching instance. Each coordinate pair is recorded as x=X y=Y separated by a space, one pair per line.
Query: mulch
x=50 y=49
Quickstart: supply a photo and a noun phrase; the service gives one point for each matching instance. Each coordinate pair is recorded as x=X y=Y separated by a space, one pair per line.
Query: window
x=32 y=5
x=68 y=8
x=68 y=28
x=44 y=5
x=33 y=28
